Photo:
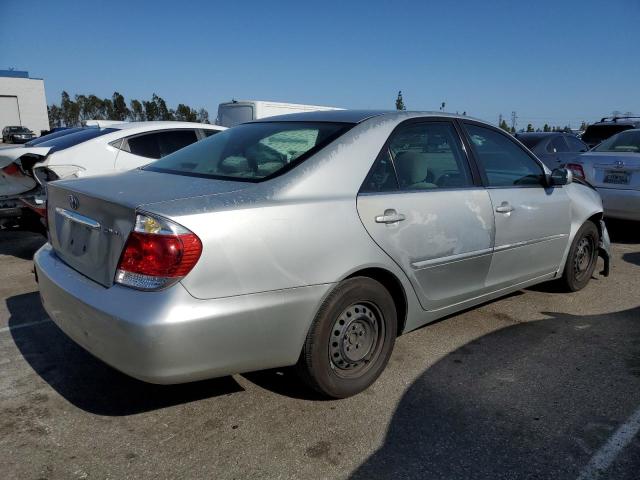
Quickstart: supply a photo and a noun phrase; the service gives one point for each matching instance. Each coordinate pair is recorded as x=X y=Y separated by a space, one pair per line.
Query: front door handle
x=390 y=216
x=504 y=207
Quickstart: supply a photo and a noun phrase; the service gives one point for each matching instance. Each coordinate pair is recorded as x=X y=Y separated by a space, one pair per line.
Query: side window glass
x=145 y=145
x=172 y=140
x=381 y=178
x=504 y=161
x=557 y=145
x=429 y=156
x=576 y=145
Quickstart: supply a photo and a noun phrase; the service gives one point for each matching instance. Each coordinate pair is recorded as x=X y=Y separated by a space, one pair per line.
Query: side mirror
x=560 y=176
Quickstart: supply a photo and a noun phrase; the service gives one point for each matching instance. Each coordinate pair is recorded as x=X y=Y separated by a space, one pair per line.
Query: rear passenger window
x=576 y=145
x=504 y=161
x=426 y=156
x=159 y=144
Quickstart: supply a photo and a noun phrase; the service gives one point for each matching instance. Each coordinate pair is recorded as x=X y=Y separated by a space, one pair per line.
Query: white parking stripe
x=607 y=454
x=24 y=325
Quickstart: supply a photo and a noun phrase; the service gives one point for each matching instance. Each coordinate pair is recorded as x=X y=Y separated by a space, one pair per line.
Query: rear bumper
x=622 y=204
x=171 y=337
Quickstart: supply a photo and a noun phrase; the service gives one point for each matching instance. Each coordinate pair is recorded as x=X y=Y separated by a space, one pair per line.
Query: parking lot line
x=607 y=454
x=24 y=325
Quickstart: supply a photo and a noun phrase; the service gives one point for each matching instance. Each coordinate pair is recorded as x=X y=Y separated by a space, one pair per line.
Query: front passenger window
x=505 y=162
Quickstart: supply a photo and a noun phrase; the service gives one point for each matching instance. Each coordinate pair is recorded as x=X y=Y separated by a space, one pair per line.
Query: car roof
x=354 y=116
x=540 y=134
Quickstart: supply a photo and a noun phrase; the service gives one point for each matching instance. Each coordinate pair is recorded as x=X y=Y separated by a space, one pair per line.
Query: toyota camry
x=310 y=239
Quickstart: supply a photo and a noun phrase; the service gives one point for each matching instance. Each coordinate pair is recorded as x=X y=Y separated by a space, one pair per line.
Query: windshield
x=628 y=141
x=252 y=151
x=594 y=134
x=69 y=140
x=51 y=136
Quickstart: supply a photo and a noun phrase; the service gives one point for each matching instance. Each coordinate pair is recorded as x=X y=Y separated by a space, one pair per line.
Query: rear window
x=628 y=141
x=595 y=134
x=72 y=139
x=251 y=152
x=529 y=141
x=232 y=115
x=51 y=136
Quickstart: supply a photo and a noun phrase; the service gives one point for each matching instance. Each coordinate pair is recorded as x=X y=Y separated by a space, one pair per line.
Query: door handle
x=390 y=216
x=504 y=207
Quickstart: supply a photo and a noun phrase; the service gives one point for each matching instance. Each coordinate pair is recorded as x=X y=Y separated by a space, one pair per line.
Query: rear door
x=423 y=204
x=532 y=222
x=139 y=150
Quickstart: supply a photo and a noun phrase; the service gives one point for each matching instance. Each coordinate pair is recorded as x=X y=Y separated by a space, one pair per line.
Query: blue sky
x=555 y=61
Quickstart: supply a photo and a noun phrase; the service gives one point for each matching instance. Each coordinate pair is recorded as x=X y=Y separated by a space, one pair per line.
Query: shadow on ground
x=622 y=231
x=534 y=400
x=20 y=244
x=87 y=382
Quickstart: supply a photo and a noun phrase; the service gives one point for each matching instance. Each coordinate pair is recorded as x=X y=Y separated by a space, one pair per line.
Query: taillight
x=576 y=169
x=157 y=254
x=11 y=169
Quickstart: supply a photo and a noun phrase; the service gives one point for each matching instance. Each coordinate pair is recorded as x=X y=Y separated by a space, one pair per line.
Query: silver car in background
x=311 y=239
x=613 y=167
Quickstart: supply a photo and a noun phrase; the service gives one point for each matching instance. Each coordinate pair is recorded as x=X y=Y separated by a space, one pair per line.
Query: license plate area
x=616 y=177
x=78 y=236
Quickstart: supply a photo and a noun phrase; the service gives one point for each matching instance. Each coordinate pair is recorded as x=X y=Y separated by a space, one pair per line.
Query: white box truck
x=240 y=111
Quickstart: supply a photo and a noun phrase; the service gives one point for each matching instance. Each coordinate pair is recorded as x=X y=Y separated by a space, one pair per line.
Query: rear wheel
x=582 y=258
x=351 y=339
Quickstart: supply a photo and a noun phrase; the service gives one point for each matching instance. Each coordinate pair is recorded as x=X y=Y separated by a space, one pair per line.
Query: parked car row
x=86 y=151
x=311 y=239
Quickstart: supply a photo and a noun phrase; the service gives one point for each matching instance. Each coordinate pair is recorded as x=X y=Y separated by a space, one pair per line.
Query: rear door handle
x=390 y=216
x=504 y=207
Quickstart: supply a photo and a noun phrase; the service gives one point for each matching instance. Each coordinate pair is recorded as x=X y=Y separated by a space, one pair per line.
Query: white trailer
x=240 y=111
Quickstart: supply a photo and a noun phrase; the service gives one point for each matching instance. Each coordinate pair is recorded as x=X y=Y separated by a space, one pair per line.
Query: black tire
x=351 y=339
x=582 y=258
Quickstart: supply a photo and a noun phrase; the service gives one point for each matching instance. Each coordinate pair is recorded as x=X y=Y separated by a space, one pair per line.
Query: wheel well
x=596 y=219
x=393 y=285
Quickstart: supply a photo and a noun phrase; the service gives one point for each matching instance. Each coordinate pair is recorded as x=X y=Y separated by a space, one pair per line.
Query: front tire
x=582 y=258
x=351 y=339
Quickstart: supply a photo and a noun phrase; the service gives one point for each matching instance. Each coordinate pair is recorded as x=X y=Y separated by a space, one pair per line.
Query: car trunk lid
x=90 y=219
x=614 y=170
x=16 y=165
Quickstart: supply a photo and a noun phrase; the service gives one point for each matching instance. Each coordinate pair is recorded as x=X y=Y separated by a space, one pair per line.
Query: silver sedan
x=311 y=240
x=613 y=167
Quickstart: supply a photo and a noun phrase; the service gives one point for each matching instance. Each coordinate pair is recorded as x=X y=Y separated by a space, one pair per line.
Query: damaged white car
x=80 y=152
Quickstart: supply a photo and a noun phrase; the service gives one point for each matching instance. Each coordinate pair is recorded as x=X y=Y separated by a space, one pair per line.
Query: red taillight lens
x=576 y=169
x=11 y=169
x=157 y=254
x=160 y=255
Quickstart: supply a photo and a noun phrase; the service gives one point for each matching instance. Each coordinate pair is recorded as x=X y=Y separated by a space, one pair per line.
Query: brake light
x=11 y=169
x=157 y=254
x=576 y=169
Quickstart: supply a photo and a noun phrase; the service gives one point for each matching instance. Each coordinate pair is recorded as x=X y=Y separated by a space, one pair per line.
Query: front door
x=424 y=208
x=532 y=221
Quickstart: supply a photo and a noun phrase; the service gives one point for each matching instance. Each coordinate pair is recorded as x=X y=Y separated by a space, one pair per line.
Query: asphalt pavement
x=540 y=384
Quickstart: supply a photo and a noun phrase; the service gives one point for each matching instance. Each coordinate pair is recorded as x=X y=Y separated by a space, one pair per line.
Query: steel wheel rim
x=357 y=336
x=583 y=258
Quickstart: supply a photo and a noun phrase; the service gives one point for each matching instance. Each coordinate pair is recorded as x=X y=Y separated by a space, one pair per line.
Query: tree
x=503 y=125
x=136 y=113
x=55 y=115
x=120 y=110
x=203 y=116
x=163 y=112
x=400 y=102
x=70 y=111
x=546 y=128
x=185 y=113
x=150 y=111
x=530 y=128
x=583 y=126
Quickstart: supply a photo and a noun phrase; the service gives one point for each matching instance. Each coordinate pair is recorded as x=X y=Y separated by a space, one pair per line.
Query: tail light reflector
x=12 y=169
x=157 y=254
x=576 y=169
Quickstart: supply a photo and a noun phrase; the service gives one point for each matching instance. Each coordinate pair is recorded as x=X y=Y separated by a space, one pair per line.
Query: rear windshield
x=594 y=134
x=71 y=139
x=628 y=141
x=51 y=136
x=529 y=141
x=252 y=151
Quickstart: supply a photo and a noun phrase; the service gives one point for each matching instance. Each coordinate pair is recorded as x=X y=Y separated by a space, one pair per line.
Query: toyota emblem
x=73 y=202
